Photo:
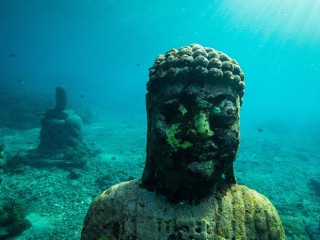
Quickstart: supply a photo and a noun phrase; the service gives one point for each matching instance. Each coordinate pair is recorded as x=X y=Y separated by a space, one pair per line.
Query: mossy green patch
x=167 y=223
x=202 y=126
x=171 y=136
x=105 y=237
x=186 y=144
x=173 y=141
x=203 y=103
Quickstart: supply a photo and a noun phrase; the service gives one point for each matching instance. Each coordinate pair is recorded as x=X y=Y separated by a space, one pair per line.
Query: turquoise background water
x=100 y=50
x=93 y=48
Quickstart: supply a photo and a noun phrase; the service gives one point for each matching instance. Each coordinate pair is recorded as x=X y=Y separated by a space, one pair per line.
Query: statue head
x=193 y=105
x=61 y=99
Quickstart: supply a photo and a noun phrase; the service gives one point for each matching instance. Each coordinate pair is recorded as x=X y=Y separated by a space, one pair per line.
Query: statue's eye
x=231 y=111
x=223 y=113
x=172 y=110
x=224 y=108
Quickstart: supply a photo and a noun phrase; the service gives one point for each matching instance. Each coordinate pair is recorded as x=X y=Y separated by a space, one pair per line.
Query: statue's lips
x=204 y=169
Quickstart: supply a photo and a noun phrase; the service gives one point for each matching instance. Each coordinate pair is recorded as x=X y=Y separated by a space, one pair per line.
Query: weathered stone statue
x=61 y=136
x=188 y=189
x=61 y=127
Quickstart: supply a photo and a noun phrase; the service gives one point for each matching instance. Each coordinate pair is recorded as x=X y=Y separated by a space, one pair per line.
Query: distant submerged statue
x=188 y=189
x=61 y=130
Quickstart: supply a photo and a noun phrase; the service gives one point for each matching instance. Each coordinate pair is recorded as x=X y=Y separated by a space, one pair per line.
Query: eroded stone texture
x=127 y=211
x=61 y=127
x=193 y=105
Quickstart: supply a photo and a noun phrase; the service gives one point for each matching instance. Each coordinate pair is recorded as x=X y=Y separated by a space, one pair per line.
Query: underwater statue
x=188 y=189
x=61 y=127
x=61 y=131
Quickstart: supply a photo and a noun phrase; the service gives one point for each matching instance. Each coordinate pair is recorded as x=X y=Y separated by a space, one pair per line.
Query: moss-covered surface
x=232 y=212
x=193 y=122
x=172 y=139
x=171 y=136
x=202 y=126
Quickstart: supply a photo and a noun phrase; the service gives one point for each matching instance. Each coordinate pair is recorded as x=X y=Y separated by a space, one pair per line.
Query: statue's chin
x=202 y=169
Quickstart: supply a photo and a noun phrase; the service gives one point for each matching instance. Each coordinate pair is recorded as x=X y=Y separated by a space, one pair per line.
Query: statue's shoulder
x=116 y=198
x=248 y=195
x=114 y=205
x=252 y=201
x=253 y=210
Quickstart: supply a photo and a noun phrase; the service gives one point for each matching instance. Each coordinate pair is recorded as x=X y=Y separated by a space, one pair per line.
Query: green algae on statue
x=188 y=189
x=211 y=95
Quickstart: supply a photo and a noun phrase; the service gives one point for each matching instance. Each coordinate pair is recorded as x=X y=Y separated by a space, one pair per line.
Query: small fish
x=21 y=81
x=138 y=64
x=82 y=96
x=39 y=114
x=12 y=55
x=260 y=130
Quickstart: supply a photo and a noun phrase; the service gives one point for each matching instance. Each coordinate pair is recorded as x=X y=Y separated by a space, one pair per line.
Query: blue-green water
x=101 y=50
x=93 y=47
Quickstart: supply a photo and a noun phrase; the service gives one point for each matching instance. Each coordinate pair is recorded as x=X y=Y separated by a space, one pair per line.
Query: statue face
x=196 y=133
x=193 y=104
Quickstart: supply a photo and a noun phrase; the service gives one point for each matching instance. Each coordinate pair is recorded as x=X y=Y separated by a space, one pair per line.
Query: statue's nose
x=201 y=126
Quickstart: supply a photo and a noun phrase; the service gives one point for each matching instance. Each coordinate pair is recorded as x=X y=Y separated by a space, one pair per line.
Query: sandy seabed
x=283 y=166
